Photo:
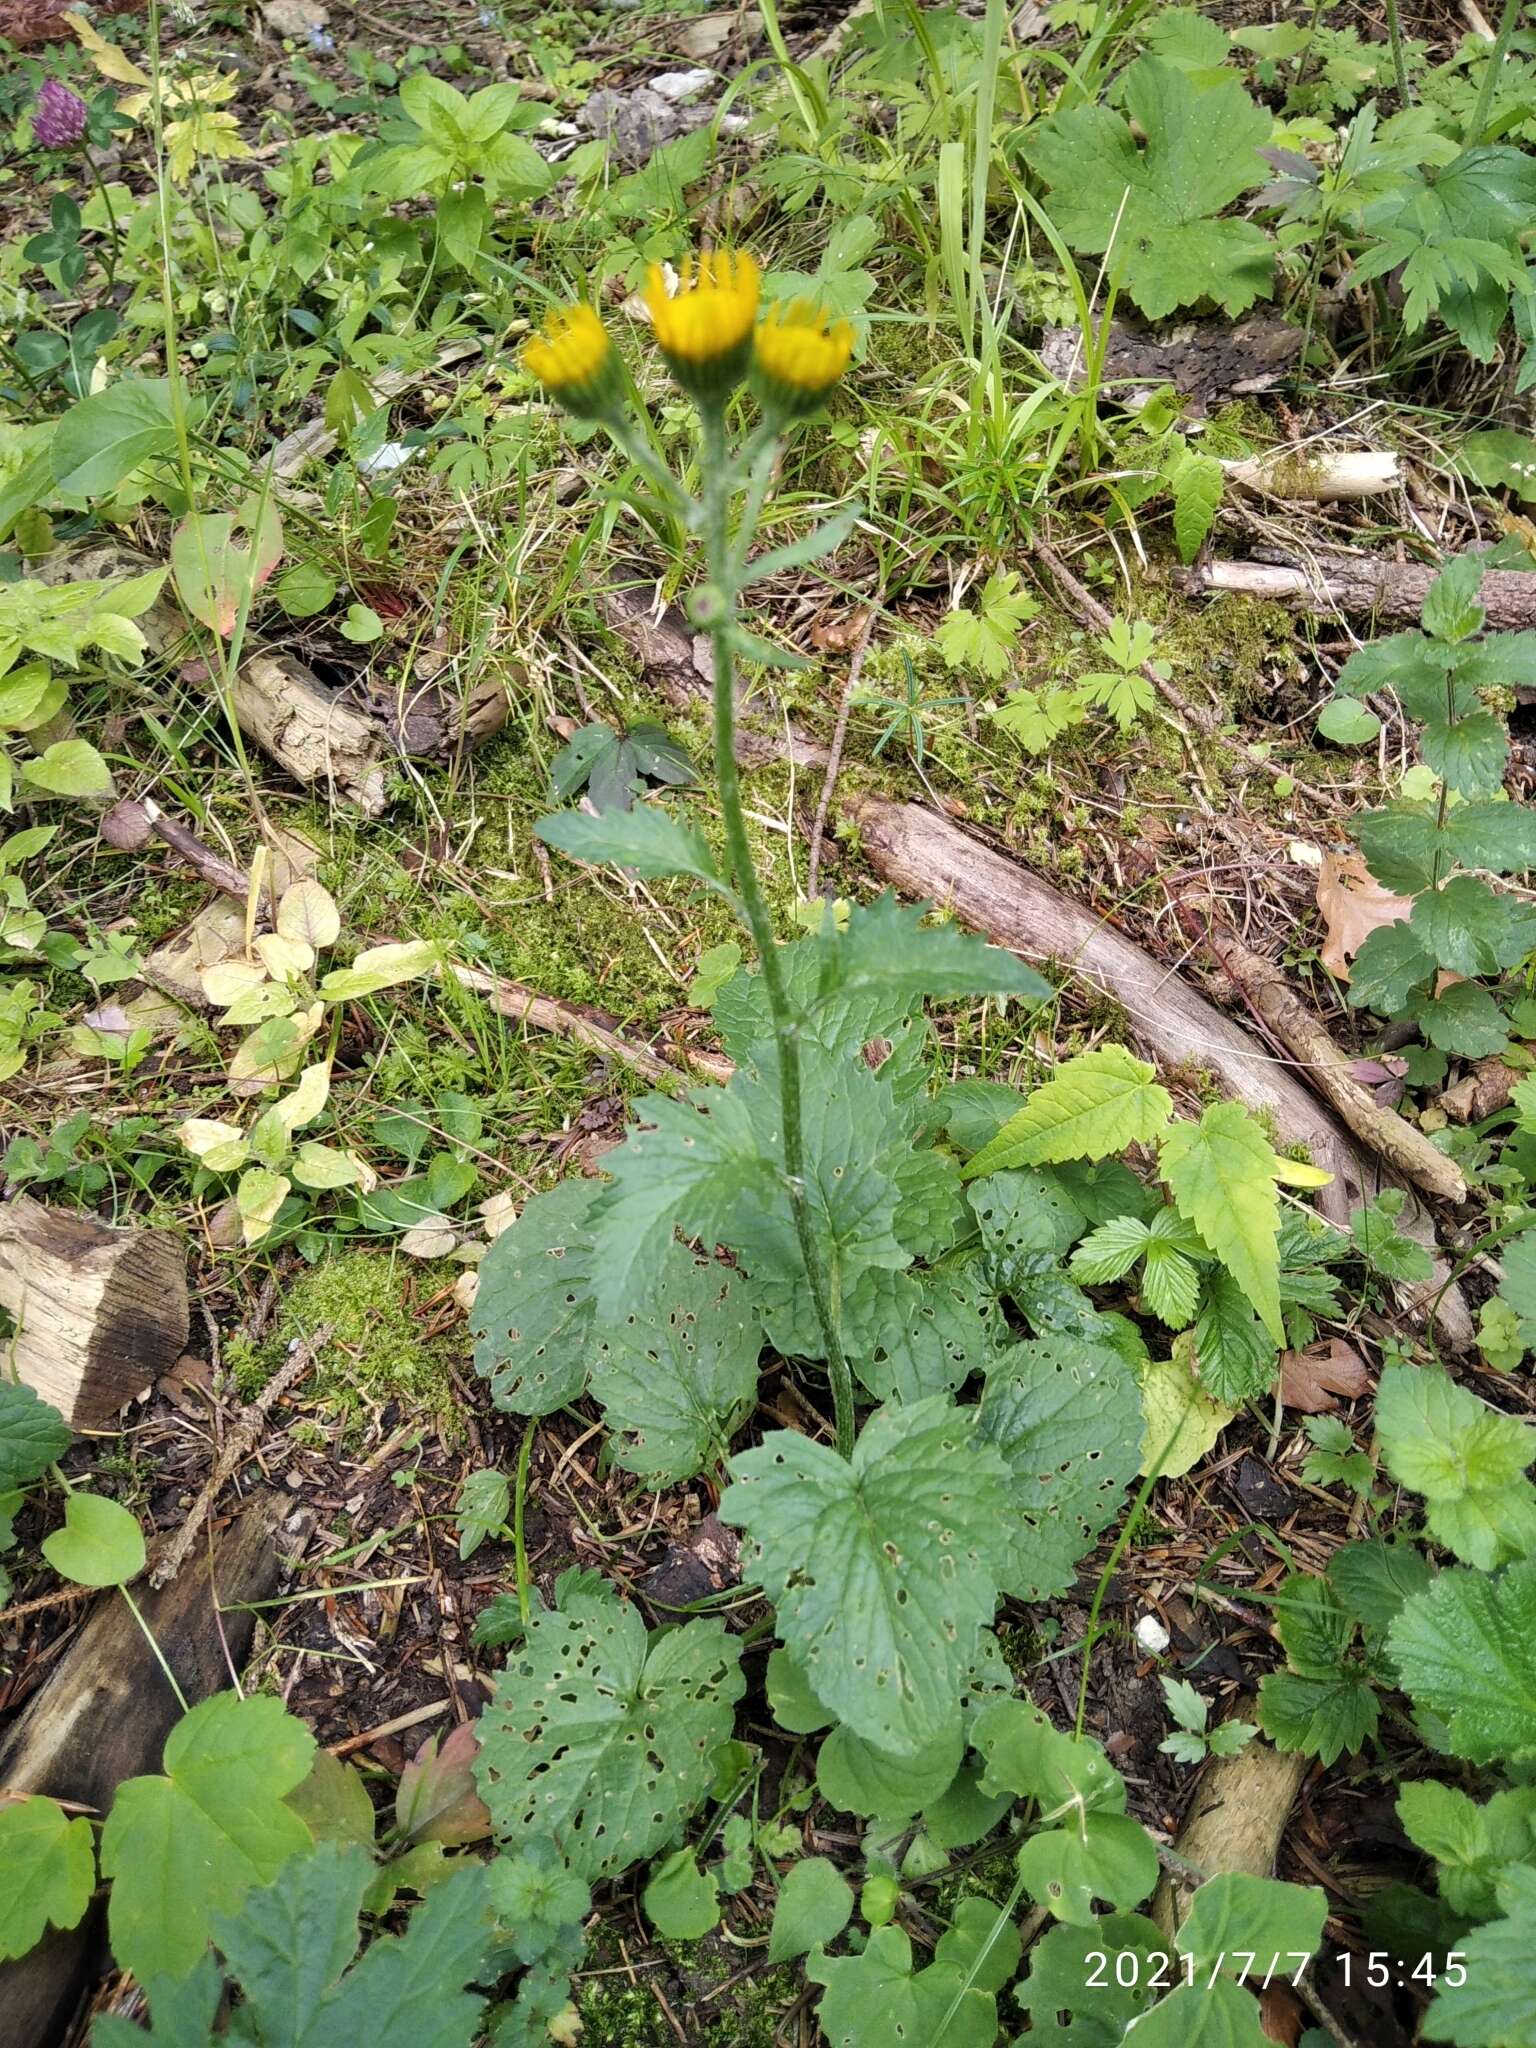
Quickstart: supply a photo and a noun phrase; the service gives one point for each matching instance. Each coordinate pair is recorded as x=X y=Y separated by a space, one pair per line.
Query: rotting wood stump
x=101 y=1311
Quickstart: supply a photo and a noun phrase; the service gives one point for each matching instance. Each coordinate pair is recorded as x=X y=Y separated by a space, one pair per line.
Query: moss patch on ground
x=375 y=1352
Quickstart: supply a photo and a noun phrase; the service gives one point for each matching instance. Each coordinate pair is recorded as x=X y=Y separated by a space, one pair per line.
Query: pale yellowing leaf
x=260 y=1058
x=307 y=1100
x=1182 y=1421
x=1092 y=1106
x=284 y=958
x=267 y=999
x=327 y=1166
x=226 y=981
x=1301 y=1173
x=380 y=967
x=109 y=60
x=307 y=912
x=426 y=1242
x=258 y=1198
x=218 y=1146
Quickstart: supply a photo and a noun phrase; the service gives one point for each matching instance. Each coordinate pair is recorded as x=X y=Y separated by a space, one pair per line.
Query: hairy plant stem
x=723 y=574
x=1488 y=84
x=1399 y=61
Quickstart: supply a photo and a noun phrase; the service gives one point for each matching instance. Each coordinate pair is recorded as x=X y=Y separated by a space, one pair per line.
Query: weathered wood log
x=1338 y=585
x=104 y=1715
x=1235 y=1820
x=1316 y=476
x=310 y=731
x=101 y=1312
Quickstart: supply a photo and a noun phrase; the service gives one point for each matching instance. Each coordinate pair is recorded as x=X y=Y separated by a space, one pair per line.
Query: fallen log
x=1340 y=585
x=1298 y=476
x=100 y=1312
x=104 y=1715
x=1234 y=1823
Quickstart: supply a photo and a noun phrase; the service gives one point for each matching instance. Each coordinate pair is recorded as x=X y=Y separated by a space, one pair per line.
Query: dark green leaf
x=647 y=839
x=32 y=1435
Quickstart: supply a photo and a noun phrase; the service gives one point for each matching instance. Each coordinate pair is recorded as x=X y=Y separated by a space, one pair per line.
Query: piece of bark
x=1486 y=1087
x=310 y=731
x=1235 y=1820
x=103 y=1716
x=1298 y=476
x=1335 y=584
x=101 y=1312
x=1327 y=1066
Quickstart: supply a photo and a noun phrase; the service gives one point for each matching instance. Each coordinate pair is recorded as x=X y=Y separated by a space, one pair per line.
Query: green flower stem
x=722 y=572
x=1490 y=78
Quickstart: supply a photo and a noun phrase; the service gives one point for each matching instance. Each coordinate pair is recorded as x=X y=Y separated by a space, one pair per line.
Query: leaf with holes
x=533 y=1311
x=883 y=1568
x=217 y=575
x=680 y=1378
x=600 y=1737
x=1064 y=1415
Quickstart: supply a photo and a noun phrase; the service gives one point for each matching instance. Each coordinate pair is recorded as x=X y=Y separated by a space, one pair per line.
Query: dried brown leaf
x=1354 y=904
x=1310 y=1379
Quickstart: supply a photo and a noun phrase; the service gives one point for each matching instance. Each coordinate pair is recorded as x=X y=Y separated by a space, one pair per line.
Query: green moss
x=375 y=1351
x=618 y=2013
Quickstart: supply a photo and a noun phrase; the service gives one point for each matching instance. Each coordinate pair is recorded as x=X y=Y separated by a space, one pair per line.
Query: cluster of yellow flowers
x=711 y=335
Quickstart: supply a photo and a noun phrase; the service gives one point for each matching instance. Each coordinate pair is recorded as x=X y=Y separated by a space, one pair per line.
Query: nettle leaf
x=290 y=1946
x=1465 y=1458
x=1321 y=1717
x=1092 y=1106
x=1221 y=1175
x=1153 y=207
x=1234 y=1353
x=1467 y=928
x=886 y=950
x=1465 y=1019
x=183 y=1847
x=647 y=839
x=601 y=1738
x=1494 y=2006
x=182 y=2014
x=32 y=1435
x=533 y=1311
x=1470 y=753
x=678 y=1380
x=1197 y=486
x=883 y=1569
x=1466 y=1650
x=1388 y=967
x=47 y=1872
x=1065 y=1416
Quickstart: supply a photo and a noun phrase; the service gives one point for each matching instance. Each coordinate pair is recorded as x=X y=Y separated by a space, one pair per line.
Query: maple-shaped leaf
x=192 y=1843
x=886 y=950
x=883 y=1568
x=1220 y=1172
x=1153 y=207
x=599 y=1736
x=47 y=1872
x=1092 y=1106
x=1037 y=718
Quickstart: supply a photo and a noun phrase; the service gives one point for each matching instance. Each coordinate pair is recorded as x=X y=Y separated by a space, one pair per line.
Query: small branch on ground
x=129 y=826
x=569 y=1020
x=238 y=1445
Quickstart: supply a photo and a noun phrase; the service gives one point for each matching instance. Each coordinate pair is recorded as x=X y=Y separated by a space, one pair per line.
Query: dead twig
x=238 y=1445
x=130 y=824
x=839 y=735
x=568 y=1020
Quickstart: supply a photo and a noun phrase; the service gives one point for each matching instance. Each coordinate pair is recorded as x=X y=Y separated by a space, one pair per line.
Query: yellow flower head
x=801 y=354
x=705 y=331
x=573 y=359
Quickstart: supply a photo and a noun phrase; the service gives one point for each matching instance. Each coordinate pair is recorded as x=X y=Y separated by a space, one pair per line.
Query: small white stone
x=1152 y=1636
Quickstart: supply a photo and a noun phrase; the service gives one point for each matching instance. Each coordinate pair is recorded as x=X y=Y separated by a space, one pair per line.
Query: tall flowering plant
x=716 y=336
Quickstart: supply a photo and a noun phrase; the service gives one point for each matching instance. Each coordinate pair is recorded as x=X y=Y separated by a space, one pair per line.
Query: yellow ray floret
x=571 y=356
x=705 y=329
x=801 y=350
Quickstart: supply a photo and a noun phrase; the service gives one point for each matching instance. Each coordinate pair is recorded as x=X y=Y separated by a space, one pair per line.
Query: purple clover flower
x=58 y=116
